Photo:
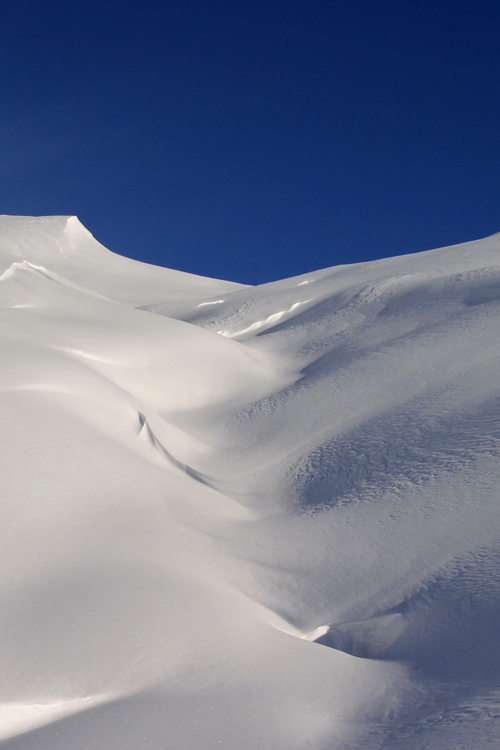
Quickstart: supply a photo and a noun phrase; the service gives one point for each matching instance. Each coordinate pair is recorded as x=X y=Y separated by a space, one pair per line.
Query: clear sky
x=254 y=140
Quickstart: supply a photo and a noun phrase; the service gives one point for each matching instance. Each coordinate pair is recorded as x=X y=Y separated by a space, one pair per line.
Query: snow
x=247 y=516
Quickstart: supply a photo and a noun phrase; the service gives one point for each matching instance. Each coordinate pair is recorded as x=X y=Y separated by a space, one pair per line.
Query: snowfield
x=247 y=517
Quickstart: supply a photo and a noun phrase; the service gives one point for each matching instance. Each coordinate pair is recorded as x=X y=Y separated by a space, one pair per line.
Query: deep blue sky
x=254 y=140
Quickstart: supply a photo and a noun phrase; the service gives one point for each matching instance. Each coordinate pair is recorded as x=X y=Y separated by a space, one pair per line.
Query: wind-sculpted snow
x=409 y=447
x=64 y=246
x=247 y=516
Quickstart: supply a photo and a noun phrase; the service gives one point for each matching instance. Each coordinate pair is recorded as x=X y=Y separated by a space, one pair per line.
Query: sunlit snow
x=283 y=537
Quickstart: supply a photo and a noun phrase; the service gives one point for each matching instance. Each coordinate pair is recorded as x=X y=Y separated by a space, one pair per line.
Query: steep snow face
x=247 y=517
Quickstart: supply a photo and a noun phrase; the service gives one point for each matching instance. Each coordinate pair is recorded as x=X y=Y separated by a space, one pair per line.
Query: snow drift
x=236 y=516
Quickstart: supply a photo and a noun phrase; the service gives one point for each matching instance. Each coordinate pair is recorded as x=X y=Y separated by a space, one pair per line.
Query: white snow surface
x=237 y=517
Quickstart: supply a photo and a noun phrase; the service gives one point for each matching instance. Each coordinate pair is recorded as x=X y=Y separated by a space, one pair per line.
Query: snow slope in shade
x=265 y=517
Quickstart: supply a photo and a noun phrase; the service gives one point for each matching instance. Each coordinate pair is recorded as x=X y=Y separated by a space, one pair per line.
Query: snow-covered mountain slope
x=65 y=248
x=247 y=517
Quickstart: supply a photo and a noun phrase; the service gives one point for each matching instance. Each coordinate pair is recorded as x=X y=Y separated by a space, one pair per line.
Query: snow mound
x=64 y=245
